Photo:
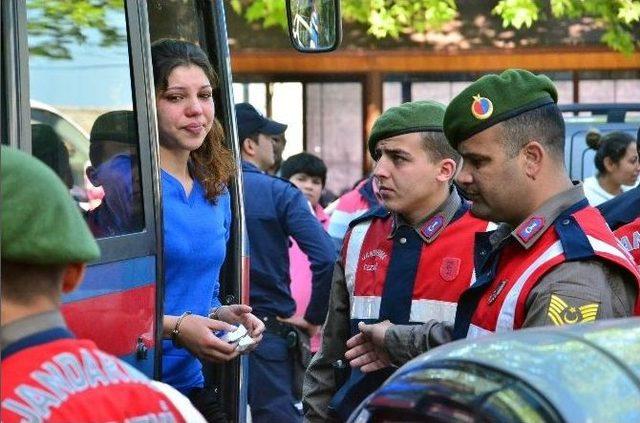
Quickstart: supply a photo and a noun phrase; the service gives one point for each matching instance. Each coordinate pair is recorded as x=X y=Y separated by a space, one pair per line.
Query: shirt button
x=483 y=252
x=566 y=222
x=403 y=240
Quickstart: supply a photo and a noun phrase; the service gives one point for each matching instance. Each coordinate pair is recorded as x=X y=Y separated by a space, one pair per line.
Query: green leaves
x=391 y=18
x=268 y=12
x=55 y=24
x=629 y=11
x=517 y=12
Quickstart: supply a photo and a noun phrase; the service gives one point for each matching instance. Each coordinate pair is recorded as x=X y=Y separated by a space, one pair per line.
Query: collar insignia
x=496 y=292
x=481 y=107
x=530 y=228
x=432 y=226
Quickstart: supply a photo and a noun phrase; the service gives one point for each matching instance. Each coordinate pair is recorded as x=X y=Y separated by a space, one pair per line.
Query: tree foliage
x=53 y=25
x=391 y=18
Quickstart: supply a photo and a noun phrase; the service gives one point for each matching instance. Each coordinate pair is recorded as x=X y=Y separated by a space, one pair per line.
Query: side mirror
x=314 y=25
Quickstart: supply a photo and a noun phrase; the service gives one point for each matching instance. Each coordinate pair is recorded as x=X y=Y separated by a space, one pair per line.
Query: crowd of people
x=469 y=225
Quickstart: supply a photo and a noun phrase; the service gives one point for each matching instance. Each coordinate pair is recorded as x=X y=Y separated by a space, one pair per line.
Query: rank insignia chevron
x=562 y=313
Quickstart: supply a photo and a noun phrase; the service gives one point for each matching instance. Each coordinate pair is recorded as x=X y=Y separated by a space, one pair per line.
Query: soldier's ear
x=533 y=154
x=72 y=276
x=447 y=170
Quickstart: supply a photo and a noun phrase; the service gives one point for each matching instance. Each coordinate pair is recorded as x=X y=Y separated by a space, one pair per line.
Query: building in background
x=331 y=100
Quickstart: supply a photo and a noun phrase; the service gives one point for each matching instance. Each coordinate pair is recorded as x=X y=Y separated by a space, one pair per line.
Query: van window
x=83 y=121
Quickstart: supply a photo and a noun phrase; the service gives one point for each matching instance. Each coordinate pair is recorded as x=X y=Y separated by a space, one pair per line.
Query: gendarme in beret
x=493 y=99
x=41 y=224
x=416 y=116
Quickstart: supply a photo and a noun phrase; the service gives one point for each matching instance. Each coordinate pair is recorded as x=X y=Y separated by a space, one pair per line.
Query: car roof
x=576 y=367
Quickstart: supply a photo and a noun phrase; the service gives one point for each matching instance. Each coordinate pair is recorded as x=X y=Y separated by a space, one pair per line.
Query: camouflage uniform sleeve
x=405 y=342
x=319 y=381
x=584 y=291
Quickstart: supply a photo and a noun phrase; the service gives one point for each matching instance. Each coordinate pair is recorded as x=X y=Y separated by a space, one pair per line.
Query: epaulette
x=575 y=244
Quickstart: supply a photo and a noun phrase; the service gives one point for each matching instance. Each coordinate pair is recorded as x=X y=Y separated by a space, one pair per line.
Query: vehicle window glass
x=82 y=113
x=493 y=395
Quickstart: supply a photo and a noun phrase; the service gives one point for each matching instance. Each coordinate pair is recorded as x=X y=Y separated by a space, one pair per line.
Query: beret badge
x=481 y=107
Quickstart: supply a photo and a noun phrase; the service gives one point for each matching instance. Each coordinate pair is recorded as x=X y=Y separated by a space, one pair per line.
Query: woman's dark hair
x=213 y=163
x=613 y=145
x=304 y=163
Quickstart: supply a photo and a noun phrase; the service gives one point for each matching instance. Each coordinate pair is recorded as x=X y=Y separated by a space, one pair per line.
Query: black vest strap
x=486 y=264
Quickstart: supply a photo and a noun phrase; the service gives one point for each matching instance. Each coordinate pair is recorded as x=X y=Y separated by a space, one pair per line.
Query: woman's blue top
x=195 y=237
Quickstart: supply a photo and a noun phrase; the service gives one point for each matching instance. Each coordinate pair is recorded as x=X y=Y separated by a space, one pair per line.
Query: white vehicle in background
x=580 y=119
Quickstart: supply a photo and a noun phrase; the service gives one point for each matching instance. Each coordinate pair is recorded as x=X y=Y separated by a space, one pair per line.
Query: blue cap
x=250 y=121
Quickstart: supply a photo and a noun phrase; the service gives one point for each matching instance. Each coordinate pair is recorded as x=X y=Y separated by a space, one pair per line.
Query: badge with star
x=562 y=313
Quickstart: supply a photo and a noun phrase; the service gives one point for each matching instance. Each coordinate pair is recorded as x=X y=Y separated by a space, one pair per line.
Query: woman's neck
x=607 y=183
x=176 y=162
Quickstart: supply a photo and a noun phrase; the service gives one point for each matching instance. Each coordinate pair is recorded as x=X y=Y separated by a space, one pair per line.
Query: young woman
x=617 y=164
x=309 y=174
x=196 y=220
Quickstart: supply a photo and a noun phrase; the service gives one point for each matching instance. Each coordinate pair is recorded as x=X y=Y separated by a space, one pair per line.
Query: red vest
x=629 y=236
x=71 y=380
x=502 y=306
x=445 y=268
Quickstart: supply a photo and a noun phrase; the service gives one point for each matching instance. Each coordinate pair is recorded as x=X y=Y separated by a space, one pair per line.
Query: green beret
x=41 y=224
x=493 y=99
x=417 y=116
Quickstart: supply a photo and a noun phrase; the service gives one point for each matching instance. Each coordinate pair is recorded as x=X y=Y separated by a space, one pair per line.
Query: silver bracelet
x=214 y=313
x=176 y=329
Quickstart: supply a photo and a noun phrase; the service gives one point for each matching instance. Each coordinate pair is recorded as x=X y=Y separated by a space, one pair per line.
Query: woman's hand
x=197 y=335
x=240 y=313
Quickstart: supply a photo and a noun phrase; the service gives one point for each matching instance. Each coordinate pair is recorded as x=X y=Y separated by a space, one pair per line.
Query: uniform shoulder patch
x=561 y=313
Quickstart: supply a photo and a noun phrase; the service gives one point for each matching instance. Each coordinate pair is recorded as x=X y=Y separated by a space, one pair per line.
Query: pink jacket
x=299 y=268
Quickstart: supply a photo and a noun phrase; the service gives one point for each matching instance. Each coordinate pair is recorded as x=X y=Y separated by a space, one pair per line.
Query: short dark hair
x=22 y=283
x=304 y=163
x=544 y=124
x=438 y=147
x=612 y=145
